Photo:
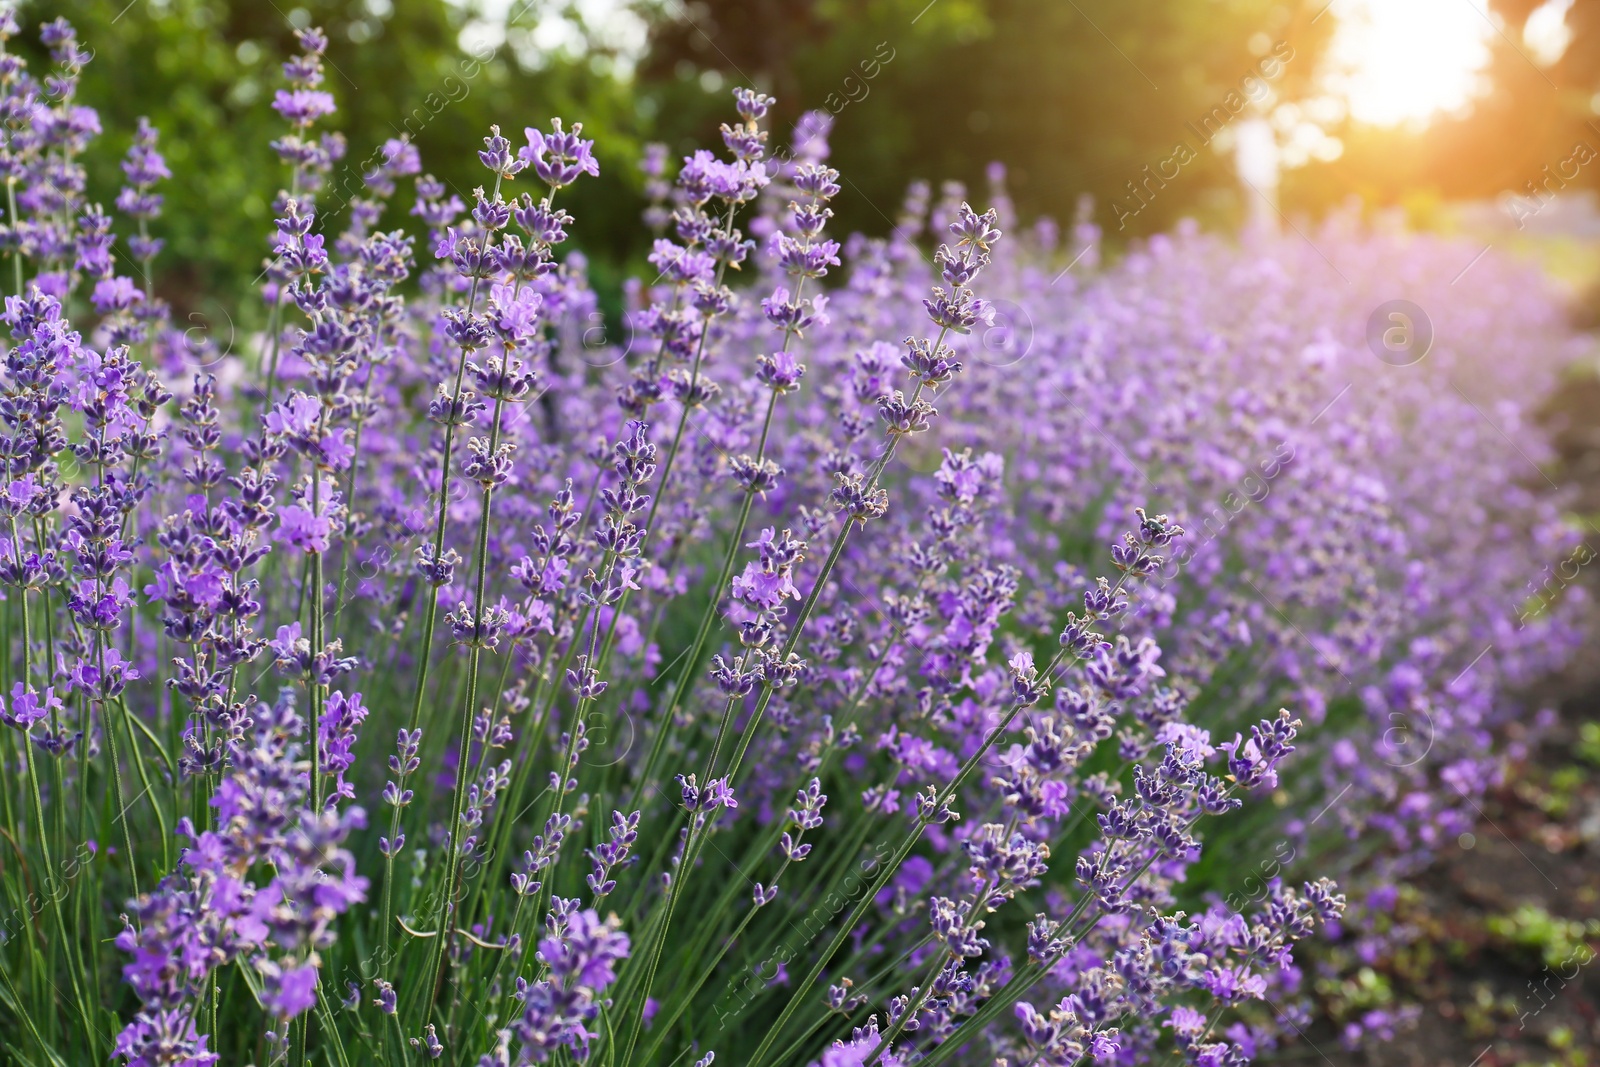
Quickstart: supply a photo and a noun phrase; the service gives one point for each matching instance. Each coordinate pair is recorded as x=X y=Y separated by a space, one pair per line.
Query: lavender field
x=979 y=639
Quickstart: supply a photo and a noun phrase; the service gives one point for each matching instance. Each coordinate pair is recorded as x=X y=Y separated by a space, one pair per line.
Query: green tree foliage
x=1076 y=96
x=204 y=71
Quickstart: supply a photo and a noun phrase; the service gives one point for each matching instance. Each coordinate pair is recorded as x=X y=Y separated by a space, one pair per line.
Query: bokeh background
x=1455 y=113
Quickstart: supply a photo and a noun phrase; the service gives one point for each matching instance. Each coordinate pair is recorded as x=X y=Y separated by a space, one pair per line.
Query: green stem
x=691 y=661
x=350 y=503
x=770 y=840
x=902 y=852
x=924 y=989
x=767 y=689
x=63 y=936
x=648 y=526
x=683 y=416
x=11 y=219
x=431 y=611
x=319 y=689
x=474 y=657
x=275 y=316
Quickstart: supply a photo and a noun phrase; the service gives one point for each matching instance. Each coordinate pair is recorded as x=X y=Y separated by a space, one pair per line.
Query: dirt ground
x=1504 y=967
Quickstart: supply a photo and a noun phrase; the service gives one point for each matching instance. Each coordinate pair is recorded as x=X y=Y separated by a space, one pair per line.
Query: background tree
x=204 y=70
x=1075 y=97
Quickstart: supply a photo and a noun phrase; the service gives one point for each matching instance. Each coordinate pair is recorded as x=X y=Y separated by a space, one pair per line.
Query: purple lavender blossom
x=818 y=549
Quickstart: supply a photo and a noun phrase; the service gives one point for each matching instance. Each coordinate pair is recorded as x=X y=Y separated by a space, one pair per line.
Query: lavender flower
x=889 y=603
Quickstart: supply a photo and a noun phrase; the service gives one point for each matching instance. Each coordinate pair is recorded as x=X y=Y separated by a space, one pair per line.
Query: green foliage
x=1350 y=995
x=1074 y=97
x=1552 y=940
x=1589 y=743
x=204 y=72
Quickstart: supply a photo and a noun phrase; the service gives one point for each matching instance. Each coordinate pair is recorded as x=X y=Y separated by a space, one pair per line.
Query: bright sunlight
x=1405 y=60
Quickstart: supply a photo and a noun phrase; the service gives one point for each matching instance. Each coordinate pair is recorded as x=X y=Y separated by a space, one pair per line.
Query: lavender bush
x=814 y=675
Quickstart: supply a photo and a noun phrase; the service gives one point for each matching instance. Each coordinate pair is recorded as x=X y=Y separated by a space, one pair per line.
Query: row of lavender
x=446 y=674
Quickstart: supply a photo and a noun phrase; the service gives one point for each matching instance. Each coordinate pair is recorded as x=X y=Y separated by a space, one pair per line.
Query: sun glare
x=1406 y=60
